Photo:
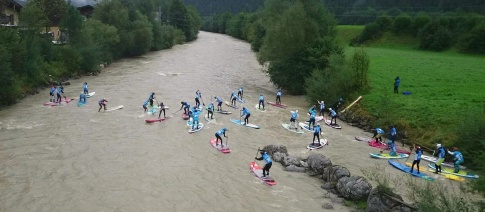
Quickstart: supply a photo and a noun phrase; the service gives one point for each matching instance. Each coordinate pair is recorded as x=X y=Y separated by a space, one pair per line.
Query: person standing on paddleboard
x=441 y=157
x=219 y=103
x=151 y=97
x=162 y=108
x=102 y=103
x=186 y=107
x=392 y=133
x=240 y=93
x=458 y=158
x=145 y=105
x=60 y=90
x=210 y=111
x=333 y=114
x=195 y=115
x=313 y=108
x=316 y=133
x=311 y=122
x=198 y=96
x=278 y=97
x=378 y=132
x=246 y=112
x=261 y=101
x=51 y=93
x=417 y=158
x=267 y=159
x=218 y=135
x=294 y=117
x=322 y=107
x=85 y=88
x=233 y=99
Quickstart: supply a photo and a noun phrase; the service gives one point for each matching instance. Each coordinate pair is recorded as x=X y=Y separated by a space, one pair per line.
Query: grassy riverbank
x=445 y=86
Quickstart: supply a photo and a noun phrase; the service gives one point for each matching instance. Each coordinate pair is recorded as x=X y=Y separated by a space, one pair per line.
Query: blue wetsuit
x=261 y=101
x=219 y=133
x=316 y=133
x=85 y=88
x=246 y=112
x=267 y=159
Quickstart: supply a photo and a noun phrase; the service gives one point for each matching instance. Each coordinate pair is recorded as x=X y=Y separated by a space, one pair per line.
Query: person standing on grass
x=397 y=82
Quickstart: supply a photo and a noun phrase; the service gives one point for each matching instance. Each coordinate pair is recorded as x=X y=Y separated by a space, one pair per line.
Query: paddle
x=414 y=146
x=227 y=138
x=174 y=113
x=257 y=153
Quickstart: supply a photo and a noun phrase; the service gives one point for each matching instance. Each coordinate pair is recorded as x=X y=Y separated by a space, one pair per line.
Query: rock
x=291 y=160
x=278 y=156
x=293 y=168
x=328 y=186
x=327 y=206
x=326 y=195
x=66 y=83
x=318 y=162
x=379 y=202
x=354 y=188
x=334 y=173
x=304 y=164
x=337 y=200
x=271 y=149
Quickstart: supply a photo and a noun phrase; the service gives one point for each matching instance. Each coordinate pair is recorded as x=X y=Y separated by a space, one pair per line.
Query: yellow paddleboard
x=447 y=176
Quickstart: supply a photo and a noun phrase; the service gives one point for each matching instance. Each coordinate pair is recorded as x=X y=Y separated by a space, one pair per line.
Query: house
x=10 y=15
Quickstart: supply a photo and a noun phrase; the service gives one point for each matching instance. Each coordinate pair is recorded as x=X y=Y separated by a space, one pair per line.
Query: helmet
x=341 y=99
x=153 y=93
x=104 y=98
x=318 y=124
x=244 y=108
x=438 y=145
x=262 y=151
x=215 y=97
x=181 y=102
x=455 y=148
x=329 y=108
x=418 y=147
x=296 y=111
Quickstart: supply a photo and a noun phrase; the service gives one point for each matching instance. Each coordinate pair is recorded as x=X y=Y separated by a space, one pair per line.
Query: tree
x=72 y=23
x=179 y=17
x=419 y=22
x=402 y=24
x=195 y=22
x=360 y=64
x=384 y=22
x=33 y=18
x=55 y=10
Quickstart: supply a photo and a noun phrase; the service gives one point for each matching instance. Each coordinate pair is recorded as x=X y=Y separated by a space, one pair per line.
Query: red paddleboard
x=154 y=120
x=56 y=104
x=224 y=150
x=258 y=171
x=185 y=116
x=277 y=105
x=380 y=145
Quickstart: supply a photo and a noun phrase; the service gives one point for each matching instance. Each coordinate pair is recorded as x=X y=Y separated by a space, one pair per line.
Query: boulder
x=66 y=83
x=291 y=160
x=328 y=186
x=327 y=206
x=336 y=199
x=334 y=173
x=354 y=188
x=278 y=156
x=318 y=162
x=380 y=202
x=293 y=168
x=271 y=149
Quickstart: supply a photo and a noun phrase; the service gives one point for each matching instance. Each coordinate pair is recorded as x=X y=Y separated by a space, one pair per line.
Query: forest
x=117 y=29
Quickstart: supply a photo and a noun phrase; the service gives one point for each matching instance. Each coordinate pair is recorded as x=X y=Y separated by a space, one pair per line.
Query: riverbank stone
x=318 y=162
x=354 y=188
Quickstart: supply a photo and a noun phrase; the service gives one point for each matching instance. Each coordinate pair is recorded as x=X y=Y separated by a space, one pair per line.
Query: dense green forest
x=351 y=12
x=117 y=28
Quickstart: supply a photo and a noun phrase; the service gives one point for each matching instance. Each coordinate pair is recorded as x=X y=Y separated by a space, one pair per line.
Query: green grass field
x=445 y=85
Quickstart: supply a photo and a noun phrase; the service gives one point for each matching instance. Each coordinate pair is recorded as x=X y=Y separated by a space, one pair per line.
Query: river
x=76 y=159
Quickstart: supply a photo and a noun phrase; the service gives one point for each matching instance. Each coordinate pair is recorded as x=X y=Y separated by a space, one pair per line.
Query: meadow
x=445 y=86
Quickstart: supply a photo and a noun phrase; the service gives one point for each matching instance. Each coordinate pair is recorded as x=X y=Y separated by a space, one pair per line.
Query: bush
x=179 y=36
x=384 y=22
x=436 y=37
x=371 y=31
x=402 y=25
x=168 y=36
x=70 y=58
x=474 y=41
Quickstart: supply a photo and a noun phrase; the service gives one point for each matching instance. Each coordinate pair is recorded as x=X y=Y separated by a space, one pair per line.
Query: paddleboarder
x=392 y=133
x=240 y=93
x=313 y=108
x=219 y=133
x=245 y=112
x=85 y=88
x=219 y=103
x=162 y=108
x=186 y=107
x=60 y=90
x=145 y=105
x=198 y=96
x=210 y=111
x=322 y=107
x=458 y=158
x=195 y=116
x=278 y=97
x=316 y=133
x=294 y=117
x=311 y=122
x=261 y=101
x=267 y=159
x=441 y=157
x=378 y=132
x=233 y=99
x=333 y=114
x=151 y=97
x=51 y=93
x=82 y=98
x=102 y=103
x=397 y=82
x=417 y=158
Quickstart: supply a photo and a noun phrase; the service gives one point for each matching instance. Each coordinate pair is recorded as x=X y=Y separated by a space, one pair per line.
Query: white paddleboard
x=317 y=145
x=305 y=127
x=115 y=108
x=201 y=126
x=257 y=107
x=287 y=126
x=90 y=94
x=206 y=116
x=335 y=126
x=242 y=123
